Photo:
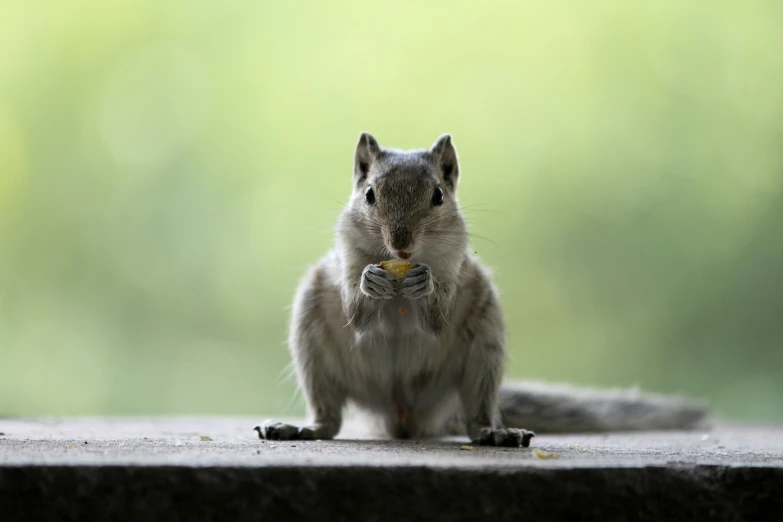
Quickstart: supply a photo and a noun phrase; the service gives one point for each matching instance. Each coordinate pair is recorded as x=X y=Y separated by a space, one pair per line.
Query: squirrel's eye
x=437 y=197
x=369 y=195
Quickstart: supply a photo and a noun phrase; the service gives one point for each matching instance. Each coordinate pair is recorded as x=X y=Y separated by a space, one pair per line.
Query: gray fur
x=561 y=408
x=438 y=367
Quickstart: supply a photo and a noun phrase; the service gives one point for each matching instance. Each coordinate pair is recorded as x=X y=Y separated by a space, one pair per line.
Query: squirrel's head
x=404 y=202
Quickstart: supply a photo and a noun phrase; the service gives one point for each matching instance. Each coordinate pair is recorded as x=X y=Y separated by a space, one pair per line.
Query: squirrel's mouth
x=404 y=254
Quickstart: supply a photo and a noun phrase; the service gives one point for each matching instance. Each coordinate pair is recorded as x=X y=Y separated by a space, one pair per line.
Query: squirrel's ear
x=445 y=156
x=366 y=151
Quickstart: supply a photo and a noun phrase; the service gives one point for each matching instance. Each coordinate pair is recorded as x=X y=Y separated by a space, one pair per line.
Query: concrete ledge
x=108 y=470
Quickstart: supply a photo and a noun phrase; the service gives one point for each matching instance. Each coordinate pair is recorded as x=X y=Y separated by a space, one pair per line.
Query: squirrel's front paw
x=377 y=283
x=417 y=283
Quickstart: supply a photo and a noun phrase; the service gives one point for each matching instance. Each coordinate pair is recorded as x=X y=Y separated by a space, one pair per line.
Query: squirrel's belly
x=401 y=316
x=410 y=405
x=400 y=372
x=403 y=377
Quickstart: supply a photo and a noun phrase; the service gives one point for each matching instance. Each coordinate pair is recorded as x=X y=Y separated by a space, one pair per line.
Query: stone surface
x=217 y=469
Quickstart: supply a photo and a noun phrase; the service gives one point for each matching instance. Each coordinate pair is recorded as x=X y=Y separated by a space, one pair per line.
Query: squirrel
x=425 y=353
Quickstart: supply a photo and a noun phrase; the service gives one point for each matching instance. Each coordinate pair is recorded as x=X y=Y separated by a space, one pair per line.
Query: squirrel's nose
x=401 y=239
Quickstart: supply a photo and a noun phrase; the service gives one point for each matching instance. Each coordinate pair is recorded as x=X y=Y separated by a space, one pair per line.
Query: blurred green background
x=169 y=169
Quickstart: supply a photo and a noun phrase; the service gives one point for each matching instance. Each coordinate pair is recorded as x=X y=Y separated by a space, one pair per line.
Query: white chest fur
x=397 y=365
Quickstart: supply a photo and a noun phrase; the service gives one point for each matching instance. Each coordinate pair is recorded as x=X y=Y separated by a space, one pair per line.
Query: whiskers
x=449 y=230
x=368 y=224
x=442 y=244
x=444 y=239
x=443 y=233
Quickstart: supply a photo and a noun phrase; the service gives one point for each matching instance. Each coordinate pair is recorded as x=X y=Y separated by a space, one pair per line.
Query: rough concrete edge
x=673 y=492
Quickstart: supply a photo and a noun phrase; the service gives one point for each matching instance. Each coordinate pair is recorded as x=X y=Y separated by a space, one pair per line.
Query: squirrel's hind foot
x=506 y=437
x=274 y=430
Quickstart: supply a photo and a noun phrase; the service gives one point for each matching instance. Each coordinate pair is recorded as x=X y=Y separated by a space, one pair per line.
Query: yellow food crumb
x=466 y=448
x=397 y=267
x=403 y=310
x=205 y=438
x=542 y=454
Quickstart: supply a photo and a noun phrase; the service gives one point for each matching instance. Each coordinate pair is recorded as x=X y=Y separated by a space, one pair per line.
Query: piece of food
x=403 y=310
x=466 y=448
x=542 y=454
x=397 y=267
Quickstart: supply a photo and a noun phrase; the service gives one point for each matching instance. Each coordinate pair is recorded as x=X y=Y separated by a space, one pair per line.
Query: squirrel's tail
x=558 y=408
